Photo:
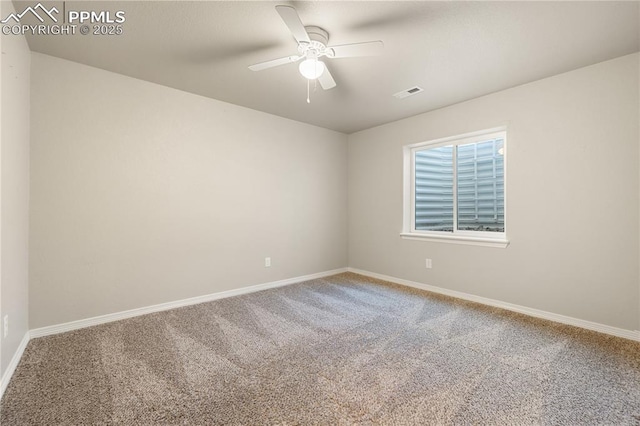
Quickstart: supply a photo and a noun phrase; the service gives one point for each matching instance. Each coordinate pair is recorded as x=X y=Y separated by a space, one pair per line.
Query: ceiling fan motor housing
x=317 y=34
x=319 y=40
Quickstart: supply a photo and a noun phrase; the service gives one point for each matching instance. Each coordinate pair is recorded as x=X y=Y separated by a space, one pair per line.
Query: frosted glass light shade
x=312 y=68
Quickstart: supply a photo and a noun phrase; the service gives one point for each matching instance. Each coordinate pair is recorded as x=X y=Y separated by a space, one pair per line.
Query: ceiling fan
x=313 y=45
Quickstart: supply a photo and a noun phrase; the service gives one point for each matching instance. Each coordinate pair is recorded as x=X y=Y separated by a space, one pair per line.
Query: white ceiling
x=454 y=50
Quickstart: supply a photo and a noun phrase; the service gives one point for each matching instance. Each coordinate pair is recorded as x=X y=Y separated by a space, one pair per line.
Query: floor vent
x=408 y=92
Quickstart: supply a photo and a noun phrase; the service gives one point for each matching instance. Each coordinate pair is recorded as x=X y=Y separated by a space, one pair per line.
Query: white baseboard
x=75 y=325
x=606 y=329
x=116 y=316
x=11 y=368
x=88 y=322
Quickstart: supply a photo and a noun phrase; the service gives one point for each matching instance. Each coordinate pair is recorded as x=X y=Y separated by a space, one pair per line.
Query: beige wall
x=142 y=194
x=572 y=190
x=14 y=190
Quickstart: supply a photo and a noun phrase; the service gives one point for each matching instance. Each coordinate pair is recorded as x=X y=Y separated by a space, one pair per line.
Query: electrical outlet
x=6 y=325
x=427 y=263
x=267 y=262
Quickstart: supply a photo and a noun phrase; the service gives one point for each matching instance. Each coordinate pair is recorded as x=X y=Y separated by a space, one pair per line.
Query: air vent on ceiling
x=408 y=92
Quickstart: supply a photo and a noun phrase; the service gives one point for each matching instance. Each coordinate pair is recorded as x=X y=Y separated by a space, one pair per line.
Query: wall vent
x=408 y=92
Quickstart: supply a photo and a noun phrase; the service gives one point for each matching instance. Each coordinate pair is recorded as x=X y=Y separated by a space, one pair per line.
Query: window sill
x=456 y=239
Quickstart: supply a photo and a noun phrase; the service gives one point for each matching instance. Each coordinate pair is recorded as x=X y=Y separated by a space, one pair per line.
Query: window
x=455 y=189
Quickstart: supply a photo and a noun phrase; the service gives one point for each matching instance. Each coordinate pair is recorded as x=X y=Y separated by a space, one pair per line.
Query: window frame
x=482 y=238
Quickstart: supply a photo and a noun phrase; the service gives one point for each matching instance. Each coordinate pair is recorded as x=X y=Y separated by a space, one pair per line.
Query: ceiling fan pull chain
x=308 y=99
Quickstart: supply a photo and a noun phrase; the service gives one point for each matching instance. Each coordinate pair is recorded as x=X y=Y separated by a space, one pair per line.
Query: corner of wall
x=14 y=195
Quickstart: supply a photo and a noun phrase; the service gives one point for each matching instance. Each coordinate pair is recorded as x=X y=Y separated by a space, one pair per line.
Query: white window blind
x=434 y=189
x=480 y=188
x=474 y=172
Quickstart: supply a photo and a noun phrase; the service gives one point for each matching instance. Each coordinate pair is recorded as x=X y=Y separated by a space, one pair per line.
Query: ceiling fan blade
x=326 y=80
x=274 y=63
x=369 y=48
x=292 y=20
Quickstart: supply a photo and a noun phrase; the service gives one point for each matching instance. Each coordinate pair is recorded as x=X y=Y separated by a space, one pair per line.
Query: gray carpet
x=340 y=350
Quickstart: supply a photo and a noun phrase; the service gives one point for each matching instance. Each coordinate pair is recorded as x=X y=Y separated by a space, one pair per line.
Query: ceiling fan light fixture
x=312 y=68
